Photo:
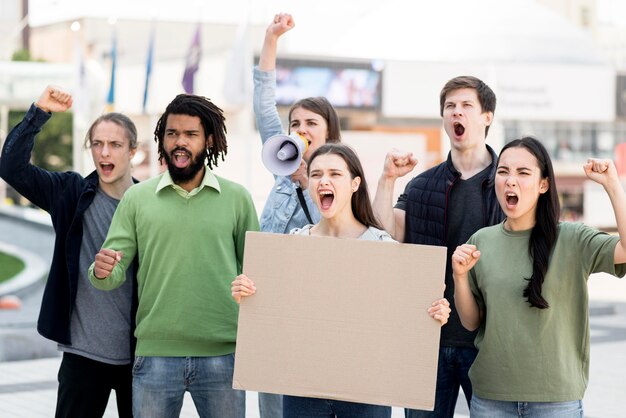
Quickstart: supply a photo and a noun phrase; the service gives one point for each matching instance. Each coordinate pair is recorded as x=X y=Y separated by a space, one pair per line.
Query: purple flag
x=192 y=63
x=149 y=61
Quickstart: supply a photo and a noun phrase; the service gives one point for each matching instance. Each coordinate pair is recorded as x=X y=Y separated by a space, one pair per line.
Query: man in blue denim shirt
x=314 y=119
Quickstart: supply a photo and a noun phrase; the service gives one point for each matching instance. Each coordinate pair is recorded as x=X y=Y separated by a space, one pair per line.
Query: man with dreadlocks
x=187 y=228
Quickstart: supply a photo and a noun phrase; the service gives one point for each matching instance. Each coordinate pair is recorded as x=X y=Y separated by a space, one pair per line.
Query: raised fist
x=53 y=99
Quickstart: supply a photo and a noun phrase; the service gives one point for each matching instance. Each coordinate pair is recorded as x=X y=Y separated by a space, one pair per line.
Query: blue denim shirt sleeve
x=282 y=211
x=264 y=103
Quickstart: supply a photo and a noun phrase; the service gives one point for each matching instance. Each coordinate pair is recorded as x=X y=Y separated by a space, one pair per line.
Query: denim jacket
x=282 y=211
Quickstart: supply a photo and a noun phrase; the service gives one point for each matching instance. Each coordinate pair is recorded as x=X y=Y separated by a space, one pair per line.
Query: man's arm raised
x=397 y=164
x=53 y=99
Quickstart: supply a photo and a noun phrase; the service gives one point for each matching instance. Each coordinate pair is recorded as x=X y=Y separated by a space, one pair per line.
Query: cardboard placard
x=340 y=319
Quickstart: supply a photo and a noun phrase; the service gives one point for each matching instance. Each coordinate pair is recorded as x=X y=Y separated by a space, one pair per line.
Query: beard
x=184 y=175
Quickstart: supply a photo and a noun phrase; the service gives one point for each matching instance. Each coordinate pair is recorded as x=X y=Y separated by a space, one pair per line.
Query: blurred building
x=582 y=13
x=13 y=37
x=382 y=64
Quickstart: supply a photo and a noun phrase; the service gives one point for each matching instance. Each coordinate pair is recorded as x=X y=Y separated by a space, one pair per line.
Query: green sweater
x=190 y=248
x=527 y=354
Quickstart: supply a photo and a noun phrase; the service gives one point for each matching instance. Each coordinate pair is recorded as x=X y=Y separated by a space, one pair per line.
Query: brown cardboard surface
x=340 y=319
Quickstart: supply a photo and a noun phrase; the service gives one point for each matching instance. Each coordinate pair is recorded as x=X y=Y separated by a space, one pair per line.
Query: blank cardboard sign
x=340 y=319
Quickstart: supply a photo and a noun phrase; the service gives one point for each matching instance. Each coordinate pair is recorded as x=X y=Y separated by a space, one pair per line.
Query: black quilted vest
x=427 y=203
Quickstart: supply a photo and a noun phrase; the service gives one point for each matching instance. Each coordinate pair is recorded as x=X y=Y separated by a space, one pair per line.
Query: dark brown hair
x=361 y=206
x=486 y=96
x=321 y=106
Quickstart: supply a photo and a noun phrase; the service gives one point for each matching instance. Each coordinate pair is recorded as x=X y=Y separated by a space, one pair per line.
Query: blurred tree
x=53 y=145
x=23 y=55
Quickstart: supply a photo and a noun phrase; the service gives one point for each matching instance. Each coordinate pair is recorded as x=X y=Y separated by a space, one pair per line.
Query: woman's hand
x=242 y=286
x=300 y=176
x=602 y=172
x=283 y=22
x=463 y=259
x=440 y=310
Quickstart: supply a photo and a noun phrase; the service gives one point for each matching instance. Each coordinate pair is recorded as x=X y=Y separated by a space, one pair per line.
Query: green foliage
x=9 y=266
x=53 y=145
x=23 y=55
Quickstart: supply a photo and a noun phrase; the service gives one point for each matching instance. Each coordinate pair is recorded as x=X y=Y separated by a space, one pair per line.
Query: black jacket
x=425 y=202
x=65 y=196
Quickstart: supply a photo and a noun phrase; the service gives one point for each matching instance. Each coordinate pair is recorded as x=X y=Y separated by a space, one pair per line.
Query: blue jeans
x=270 y=405
x=486 y=408
x=160 y=383
x=454 y=364
x=297 y=407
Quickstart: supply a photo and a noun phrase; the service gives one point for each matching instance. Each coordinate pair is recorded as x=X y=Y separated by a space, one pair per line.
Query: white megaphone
x=282 y=153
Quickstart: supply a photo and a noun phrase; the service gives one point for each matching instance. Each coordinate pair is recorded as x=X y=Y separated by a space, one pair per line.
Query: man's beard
x=184 y=175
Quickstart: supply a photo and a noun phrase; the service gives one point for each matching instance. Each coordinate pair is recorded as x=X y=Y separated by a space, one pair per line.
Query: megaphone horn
x=281 y=153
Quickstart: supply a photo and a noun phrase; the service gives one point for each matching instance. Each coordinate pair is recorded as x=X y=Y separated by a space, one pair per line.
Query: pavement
x=29 y=363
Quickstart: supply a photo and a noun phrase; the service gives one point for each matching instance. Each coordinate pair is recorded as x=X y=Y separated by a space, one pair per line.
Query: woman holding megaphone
x=338 y=188
x=313 y=118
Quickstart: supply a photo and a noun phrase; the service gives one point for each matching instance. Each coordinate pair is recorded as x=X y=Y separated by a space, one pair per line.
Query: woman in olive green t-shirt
x=527 y=295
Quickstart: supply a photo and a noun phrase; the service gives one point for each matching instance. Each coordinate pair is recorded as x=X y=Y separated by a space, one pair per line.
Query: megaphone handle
x=305 y=208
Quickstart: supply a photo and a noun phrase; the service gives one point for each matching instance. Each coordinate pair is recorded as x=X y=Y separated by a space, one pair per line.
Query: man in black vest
x=444 y=206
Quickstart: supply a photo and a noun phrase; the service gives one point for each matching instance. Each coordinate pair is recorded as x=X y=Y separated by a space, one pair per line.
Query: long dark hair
x=361 y=206
x=321 y=106
x=211 y=117
x=544 y=233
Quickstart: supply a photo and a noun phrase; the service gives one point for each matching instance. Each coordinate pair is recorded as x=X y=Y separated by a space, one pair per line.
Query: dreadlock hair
x=544 y=233
x=211 y=117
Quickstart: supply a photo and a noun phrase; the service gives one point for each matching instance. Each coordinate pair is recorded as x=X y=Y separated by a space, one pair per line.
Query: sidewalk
x=28 y=390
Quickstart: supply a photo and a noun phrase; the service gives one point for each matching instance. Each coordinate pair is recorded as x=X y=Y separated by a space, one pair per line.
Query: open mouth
x=326 y=199
x=106 y=168
x=511 y=199
x=181 y=158
x=459 y=129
